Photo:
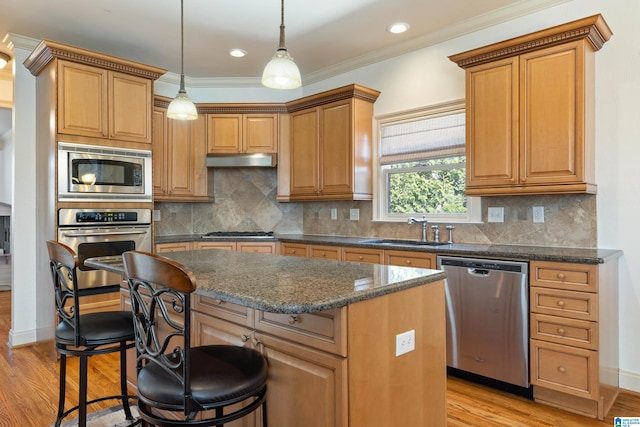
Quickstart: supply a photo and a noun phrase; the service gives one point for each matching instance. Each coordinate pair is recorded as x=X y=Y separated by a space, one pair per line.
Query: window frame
x=381 y=199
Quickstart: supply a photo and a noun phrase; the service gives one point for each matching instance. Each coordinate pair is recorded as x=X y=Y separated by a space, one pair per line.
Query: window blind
x=424 y=138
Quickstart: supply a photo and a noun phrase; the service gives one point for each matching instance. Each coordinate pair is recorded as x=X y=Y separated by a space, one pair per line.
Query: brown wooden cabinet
x=410 y=259
x=96 y=102
x=244 y=246
x=179 y=158
x=330 y=148
x=530 y=108
x=574 y=335
x=173 y=247
x=242 y=133
x=371 y=256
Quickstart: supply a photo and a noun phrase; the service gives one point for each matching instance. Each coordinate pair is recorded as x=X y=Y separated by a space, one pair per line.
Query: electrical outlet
x=405 y=342
x=334 y=213
x=156 y=215
x=354 y=214
x=495 y=214
x=538 y=214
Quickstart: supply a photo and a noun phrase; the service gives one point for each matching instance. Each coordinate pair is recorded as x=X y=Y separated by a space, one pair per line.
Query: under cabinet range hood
x=242 y=161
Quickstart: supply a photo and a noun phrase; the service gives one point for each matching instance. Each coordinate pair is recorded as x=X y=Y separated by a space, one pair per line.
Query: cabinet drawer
x=409 y=259
x=325 y=330
x=575 y=305
x=173 y=247
x=566 y=276
x=223 y=310
x=259 y=247
x=324 y=252
x=293 y=249
x=561 y=330
x=566 y=369
x=371 y=256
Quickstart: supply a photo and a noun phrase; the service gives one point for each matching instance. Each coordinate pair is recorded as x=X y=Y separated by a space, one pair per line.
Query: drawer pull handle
x=561 y=276
x=293 y=319
x=561 y=331
x=360 y=257
x=561 y=303
x=562 y=369
x=245 y=338
x=323 y=254
x=408 y=262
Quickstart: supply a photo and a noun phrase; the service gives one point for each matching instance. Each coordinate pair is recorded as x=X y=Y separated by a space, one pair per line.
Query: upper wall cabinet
x=530 y=111
x=242 y=133
x=95 y=95
x=329 y=153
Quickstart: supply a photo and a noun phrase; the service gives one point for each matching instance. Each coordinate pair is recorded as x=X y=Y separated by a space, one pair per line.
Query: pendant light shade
x=281 y=72
x=181 y=108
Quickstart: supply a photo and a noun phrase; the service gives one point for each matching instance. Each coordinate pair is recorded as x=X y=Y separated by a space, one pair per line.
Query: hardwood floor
x=29 y=392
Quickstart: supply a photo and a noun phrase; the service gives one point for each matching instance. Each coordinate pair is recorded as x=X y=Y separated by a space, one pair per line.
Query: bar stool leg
x=123 y=382
x=82 y=400
x=63 y=388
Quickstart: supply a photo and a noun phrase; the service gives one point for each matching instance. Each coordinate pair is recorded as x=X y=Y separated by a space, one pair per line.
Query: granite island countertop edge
x=255 y=299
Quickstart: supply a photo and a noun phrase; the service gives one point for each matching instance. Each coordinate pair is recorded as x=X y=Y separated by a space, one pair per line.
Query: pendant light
x=181 y=108
x=281 y=72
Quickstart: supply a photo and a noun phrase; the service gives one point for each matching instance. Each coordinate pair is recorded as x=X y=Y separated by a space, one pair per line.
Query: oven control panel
x=71 y=217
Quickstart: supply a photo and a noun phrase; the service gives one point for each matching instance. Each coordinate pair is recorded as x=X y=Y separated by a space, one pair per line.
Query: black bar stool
x=172 y=375
x=85 y=335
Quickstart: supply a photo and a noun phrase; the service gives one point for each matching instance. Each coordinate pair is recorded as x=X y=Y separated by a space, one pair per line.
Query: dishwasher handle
x=481 y=272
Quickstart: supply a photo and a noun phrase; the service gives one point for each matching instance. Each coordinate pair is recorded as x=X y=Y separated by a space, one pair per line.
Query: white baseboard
x=21 y=338
x=630 y=380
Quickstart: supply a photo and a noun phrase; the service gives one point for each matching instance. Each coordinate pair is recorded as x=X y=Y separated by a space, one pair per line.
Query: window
x=422 y=166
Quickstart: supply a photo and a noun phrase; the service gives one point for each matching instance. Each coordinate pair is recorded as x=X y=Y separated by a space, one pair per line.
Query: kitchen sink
x=401 y=242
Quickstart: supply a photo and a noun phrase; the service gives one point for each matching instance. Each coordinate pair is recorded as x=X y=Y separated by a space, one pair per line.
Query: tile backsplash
x=245 y=200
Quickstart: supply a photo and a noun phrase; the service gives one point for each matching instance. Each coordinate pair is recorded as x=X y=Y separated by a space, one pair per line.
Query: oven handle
x=107 y=233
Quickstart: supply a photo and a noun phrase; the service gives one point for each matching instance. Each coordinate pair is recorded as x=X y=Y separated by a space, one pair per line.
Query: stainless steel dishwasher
x=487 y=318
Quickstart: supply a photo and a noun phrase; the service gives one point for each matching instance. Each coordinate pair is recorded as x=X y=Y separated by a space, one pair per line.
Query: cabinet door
x=158 y=149
x=492 y=124
x=316 y=380
x=224 y=133
x=552 y=107
x=173 y=247
x=228 y=246
x=260 y=133
x=82 y=100
x=336 y=149
x=130 y=101
x=410 y=259
x=207 y=330
x=186 y=158
x=304 y=153
x=259 y=247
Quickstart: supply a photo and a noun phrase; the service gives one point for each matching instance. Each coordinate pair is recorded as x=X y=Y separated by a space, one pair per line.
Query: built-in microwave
x=98 y=173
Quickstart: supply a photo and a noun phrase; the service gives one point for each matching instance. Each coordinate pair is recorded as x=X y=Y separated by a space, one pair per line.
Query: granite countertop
x=283 y=284
x=518 y=252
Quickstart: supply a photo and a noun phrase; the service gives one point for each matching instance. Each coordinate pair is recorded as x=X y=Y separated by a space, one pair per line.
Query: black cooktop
x=239 y=234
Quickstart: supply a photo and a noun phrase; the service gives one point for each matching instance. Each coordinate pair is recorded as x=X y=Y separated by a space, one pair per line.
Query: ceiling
x=325 y=37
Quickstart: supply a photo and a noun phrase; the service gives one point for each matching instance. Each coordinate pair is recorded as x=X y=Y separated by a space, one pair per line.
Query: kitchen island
x=329 y=330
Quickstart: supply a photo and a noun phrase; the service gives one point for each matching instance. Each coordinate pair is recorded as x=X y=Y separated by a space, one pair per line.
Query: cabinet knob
x=256 y=341
x=245 y=338
x=560 y=303
x=360 y=257
x=561 y=331
x=293 y=319
x=562 y=369
x=219 y=302
x=323 y=254
x=561 y=276
x=408 y=262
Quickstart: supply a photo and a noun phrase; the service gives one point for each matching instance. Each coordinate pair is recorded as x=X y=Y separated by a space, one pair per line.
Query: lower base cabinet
x=338 y=368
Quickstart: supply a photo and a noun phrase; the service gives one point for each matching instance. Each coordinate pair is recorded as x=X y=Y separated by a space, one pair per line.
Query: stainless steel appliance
x=487 y=318
x=103 y=232
x=96 y=173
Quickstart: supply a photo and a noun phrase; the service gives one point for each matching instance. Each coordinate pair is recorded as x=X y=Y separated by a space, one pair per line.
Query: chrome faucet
x=422 y=221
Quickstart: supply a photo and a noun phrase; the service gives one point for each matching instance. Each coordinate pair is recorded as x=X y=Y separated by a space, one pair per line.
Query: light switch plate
x=495 y=214
x=354 y=214
x=538 y=214
x=334 y=213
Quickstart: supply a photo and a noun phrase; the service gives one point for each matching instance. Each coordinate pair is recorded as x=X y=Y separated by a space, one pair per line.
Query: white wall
x=427 y=77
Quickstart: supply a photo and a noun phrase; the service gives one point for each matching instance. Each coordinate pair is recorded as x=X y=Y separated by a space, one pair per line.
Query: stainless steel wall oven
x=96 y=173
x=103 y=232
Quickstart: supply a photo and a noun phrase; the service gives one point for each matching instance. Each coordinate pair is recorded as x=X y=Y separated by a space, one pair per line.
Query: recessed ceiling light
x=398 y=27
x=238 y=53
